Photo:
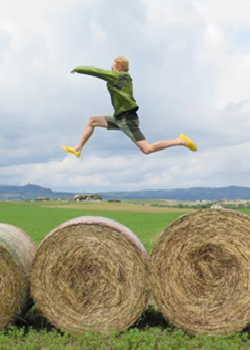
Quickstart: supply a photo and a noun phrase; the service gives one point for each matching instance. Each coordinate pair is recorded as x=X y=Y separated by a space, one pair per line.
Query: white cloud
x=225 y=13
x=212 y=167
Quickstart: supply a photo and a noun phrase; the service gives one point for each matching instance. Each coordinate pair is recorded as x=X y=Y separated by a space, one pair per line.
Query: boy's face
x=116 y=66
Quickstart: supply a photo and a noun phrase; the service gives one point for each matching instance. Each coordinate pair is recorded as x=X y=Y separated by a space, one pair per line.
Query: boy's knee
x=92 y=121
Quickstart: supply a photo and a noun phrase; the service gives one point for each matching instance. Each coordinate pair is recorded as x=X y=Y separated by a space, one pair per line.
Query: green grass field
x=151 y=333
x=37 y=221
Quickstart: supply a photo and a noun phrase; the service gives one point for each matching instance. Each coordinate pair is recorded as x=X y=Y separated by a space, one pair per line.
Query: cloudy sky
x=190 y=63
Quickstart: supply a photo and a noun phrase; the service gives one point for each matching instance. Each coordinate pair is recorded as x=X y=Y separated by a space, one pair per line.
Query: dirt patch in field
x=120 y=207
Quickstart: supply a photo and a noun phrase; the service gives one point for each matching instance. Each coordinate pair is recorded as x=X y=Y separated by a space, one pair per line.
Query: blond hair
x=123 y=62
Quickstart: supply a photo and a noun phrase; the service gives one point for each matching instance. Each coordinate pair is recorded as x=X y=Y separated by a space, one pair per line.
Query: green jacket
x=119 y=85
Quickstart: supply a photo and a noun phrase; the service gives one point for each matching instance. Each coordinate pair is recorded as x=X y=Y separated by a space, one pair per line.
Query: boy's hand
x=73 y=71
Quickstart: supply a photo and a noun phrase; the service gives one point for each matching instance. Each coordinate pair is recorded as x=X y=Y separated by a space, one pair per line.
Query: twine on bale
x=200 y=272
x=91 y=272
x=17 y=251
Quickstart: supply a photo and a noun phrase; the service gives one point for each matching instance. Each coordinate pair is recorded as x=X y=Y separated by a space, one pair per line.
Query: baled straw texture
x=91 y=272
x=200 y=272
x=17 y=251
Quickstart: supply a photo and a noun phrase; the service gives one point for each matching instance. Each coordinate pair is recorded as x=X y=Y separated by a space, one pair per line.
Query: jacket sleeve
x=104 y=74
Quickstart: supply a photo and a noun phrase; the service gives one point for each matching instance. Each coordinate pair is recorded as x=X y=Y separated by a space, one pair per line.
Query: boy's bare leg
x=88 y=131
x=148 y=148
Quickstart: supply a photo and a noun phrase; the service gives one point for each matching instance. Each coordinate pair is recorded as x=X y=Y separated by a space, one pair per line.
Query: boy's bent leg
x=148 y=148
x=89 y=129
x=87 y=133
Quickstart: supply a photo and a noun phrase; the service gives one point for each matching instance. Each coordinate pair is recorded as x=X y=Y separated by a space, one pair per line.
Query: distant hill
x=30 y=192
x=194 y=193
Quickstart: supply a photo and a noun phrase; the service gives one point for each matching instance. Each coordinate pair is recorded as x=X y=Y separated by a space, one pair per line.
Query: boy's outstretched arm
x=104 y=74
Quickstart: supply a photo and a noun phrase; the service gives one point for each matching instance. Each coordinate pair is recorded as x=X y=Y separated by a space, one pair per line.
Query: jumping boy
x=125 y=118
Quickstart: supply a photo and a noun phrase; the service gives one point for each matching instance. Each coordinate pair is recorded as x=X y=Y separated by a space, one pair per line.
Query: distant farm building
x=87 y=197
x=217 y=206
x=114 y=201
x=42 y=199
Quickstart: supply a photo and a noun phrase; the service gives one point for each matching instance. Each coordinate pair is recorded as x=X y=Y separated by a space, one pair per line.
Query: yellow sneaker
x=189 y=143
x=71 y=150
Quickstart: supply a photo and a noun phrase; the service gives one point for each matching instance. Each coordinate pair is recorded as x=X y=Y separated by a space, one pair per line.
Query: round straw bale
x=17 y=251
x=200 y=272
x=90 y=272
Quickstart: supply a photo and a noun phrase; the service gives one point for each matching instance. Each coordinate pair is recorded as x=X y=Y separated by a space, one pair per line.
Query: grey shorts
x=128 y=122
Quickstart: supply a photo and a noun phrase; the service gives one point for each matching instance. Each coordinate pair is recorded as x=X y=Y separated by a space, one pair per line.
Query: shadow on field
x=35 y=320
x=151 y=318
x=246 y=330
